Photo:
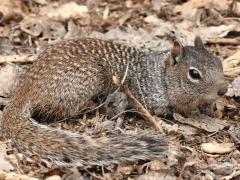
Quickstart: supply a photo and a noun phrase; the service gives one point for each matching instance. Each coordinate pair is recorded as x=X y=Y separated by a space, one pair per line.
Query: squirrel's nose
x=223 y=89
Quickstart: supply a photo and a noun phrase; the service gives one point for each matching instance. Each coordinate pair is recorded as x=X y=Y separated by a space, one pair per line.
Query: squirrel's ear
x=198 y=42
x=175 y=52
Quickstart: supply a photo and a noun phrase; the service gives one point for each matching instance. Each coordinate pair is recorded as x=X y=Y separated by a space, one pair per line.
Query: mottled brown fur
x=66 y=75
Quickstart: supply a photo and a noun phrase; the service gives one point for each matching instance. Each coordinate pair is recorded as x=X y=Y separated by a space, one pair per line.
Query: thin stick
x=146 y=115
x=125 y=74
x=119 y=114
x=227 y=41
x=17 y=58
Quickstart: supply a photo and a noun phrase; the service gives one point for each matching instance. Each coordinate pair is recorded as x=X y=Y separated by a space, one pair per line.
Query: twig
x=17 y=58
x=137 y=104
x=125 y=74
x=226 y=41
x=119 y=114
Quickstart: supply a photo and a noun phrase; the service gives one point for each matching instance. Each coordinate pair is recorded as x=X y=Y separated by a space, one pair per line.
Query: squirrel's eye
x=194 y=74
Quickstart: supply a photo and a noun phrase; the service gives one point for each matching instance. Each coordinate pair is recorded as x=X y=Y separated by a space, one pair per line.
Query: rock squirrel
x=66 y=75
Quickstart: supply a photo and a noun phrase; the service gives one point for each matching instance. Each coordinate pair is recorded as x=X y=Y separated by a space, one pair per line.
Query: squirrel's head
x=193 y=76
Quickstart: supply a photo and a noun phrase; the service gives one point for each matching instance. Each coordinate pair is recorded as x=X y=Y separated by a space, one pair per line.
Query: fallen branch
x=226 y=41
x=17 y=58
x=146 y=115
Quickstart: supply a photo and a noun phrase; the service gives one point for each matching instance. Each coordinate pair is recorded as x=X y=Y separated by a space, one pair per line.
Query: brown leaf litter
x=202 y=147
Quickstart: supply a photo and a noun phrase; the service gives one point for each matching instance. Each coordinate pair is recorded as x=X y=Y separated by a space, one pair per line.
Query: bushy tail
x=68 y=149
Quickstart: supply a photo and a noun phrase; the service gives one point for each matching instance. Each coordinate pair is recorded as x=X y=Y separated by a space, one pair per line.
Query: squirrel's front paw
x=115 y=106
x=162 y=111
x=207 y=108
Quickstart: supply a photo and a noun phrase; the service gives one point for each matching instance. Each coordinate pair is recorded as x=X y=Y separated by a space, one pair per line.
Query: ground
x=200 y=148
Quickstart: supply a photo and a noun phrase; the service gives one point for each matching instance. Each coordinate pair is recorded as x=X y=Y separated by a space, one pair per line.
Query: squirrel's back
x=67 y=74
x=60 y=82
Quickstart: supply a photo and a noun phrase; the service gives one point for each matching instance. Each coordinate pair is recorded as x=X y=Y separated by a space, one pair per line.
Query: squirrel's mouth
x=186 y=106
x=210 y=98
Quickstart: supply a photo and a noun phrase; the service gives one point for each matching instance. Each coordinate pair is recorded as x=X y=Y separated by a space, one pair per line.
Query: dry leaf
x=187 y=130
x=39 y=25
x=186 y=165
x=137 y=38
x=6 y=47
x=164 y=175
x=181 y=32
x=65 y=11
x=153 y=19
x=234 y=88
x=234 y=132
x=42 y=2
x=156 y=165
x=9 y=9
x=32 y=25
x=224 y=169
x=73 y=174
x=73 y=31
x=232 y=72
x=9 y=77
x=231 y=66
x=4 y=164
x=218 y=148
x=5 y=31
x=234 y=175
x=216 y=31
x=125 y=169
x=157 y=5
x=236 y=7
x=167 y=127
x=124 y=18
x=221 y=105
x=105 y=13
x=55 y=177
x=202 y=122
x=14 y=176
x=104 y=126
x=189 y=8
x=232 y=61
